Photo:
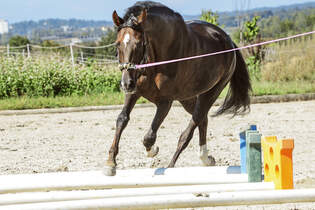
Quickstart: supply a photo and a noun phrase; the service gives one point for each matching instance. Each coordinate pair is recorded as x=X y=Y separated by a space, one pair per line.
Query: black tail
x=239 y=90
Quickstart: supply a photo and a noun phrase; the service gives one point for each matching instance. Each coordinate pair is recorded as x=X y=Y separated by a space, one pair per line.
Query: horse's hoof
x=109 y=171
x=208 y=161
x=153 y=152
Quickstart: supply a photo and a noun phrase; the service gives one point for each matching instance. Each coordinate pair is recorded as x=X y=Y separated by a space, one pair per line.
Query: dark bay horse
x=151 y=32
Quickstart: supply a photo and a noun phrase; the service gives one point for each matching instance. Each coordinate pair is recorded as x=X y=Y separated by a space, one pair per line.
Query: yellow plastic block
x=278 y=165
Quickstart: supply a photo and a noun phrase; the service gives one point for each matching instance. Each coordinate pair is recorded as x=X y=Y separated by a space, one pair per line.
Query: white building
x=4 y=27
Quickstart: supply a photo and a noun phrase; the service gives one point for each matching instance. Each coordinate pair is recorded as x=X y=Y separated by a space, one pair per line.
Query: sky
x=20 y=10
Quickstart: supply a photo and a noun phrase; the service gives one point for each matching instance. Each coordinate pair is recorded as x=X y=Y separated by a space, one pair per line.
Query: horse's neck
x=165 y=45
x=164 y=34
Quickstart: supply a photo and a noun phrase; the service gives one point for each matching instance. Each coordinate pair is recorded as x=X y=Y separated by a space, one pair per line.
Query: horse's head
x=130 y=47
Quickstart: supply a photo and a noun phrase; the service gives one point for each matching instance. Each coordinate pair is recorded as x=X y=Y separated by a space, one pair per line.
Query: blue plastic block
x=253 y=127
x=243 y=152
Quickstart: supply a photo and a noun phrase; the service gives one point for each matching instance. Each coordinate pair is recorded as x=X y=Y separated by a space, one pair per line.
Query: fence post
x=8 y=50
x=72 y=57
x=28 y=51
x=82 y=59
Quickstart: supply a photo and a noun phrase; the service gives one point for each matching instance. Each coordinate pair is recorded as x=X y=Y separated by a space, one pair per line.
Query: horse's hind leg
x=201 y=109
x=162 y=110
x=206 y=160
x=189 y=106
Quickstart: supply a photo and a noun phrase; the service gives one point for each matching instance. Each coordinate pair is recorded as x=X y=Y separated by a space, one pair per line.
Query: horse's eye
x=117 y=44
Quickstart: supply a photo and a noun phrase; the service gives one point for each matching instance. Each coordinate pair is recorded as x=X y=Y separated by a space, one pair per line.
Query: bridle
x=132 y=23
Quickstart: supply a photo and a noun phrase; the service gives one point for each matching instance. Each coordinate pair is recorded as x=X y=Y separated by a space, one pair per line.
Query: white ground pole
x=37 y=197
x=124 y=179
x=179 y=200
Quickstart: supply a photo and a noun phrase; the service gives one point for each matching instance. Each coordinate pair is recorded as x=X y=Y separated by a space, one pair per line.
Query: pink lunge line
x=220 y=52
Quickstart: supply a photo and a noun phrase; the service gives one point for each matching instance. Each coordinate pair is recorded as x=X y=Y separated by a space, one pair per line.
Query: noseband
x=132 y=23
x=128 y=66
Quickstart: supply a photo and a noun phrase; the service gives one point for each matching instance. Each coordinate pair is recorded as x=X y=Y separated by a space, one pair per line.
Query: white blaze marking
x=126 y=39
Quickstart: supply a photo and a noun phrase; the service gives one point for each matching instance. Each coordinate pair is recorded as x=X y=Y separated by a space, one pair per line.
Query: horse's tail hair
x=237 y=100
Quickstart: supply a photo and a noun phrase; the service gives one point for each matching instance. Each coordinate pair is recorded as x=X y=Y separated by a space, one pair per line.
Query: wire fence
x=77 y=54
x=82 y=55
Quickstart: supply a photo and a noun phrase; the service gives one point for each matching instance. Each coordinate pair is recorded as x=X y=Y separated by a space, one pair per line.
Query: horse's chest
x=161 y=81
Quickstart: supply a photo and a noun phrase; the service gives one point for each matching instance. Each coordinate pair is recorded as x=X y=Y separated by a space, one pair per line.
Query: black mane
x=151 y=7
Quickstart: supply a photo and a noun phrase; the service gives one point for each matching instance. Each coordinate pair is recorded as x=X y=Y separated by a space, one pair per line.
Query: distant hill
x=26 y=28
x=229 y=19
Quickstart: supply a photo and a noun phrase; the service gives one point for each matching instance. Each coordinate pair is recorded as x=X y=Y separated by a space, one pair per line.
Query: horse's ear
x=116 y=19
x=142 y=17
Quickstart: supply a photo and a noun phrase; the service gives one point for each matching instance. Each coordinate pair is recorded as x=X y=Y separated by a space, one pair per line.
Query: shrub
x=253 y=66
x=48 y=76
x=290 y=63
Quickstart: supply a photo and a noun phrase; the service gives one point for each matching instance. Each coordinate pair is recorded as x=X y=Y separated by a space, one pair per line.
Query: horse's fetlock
x=149 y=140
x=203 y=151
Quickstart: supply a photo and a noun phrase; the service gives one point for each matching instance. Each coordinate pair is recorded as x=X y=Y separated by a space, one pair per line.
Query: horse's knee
x=122 y=120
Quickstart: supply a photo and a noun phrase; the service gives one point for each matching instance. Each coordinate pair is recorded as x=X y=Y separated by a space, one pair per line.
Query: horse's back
x=209 y=33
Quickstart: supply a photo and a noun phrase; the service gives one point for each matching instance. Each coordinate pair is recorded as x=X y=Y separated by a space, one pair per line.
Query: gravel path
x=80 y=141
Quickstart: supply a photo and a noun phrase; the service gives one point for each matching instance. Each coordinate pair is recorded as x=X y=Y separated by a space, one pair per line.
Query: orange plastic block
x=278 y=165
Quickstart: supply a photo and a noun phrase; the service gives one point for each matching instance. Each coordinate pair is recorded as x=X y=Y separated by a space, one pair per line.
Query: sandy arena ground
x=80 y=141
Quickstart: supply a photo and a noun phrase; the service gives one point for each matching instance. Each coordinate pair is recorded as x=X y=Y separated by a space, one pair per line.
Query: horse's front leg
x=121 y=123
x=162 y=110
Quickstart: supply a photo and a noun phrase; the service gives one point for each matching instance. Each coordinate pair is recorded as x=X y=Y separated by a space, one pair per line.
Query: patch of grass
x=115 y=98
x=261 y=88
x=282 y=87
x=26 y=102
x=292 y=62
x=19 y=103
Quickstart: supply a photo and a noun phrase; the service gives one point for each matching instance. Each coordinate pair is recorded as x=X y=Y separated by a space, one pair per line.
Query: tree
x=286 y=26
x=17 y=41
x=251 y=30
x=110 y=38
x=310 y=21
x=210 y=17
x=236 y=35
x=50 y=43
x=255 y=55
